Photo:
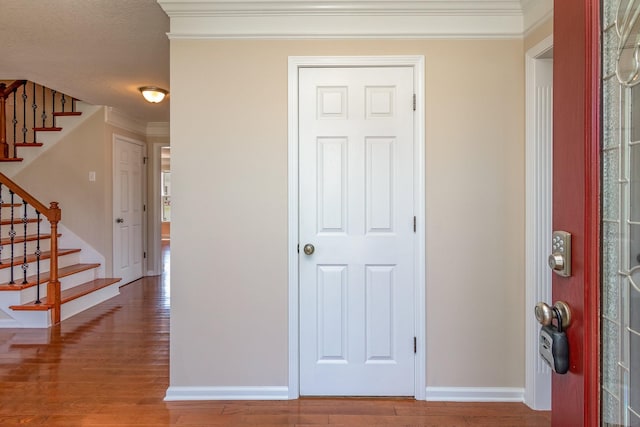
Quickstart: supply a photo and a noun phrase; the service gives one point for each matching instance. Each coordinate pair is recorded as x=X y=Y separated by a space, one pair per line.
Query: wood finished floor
x=109 y=366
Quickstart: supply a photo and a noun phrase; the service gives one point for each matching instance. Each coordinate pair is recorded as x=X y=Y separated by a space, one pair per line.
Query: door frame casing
x=539 y=181
x=154 y=201
x=417 y=62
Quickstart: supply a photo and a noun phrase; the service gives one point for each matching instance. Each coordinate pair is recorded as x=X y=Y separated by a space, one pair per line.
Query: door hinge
x=144 y=254
x=414 y=224
x=144 y=159
x=144 y=208
x=415 y=344
x=414 y=102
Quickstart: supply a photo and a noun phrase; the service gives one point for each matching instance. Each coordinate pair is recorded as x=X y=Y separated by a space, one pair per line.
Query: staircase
x=41 y=284
x=27 y=111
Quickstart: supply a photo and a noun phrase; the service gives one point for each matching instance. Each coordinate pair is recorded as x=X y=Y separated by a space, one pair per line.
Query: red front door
x=575 y=396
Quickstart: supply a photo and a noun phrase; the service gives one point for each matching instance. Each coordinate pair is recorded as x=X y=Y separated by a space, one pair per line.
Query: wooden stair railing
x=35 y=109
x=53 y=215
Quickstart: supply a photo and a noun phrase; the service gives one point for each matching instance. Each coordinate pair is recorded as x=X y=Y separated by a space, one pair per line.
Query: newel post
x=4 y=147
x=53 y=287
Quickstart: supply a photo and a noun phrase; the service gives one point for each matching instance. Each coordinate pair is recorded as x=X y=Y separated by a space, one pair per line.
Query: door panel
x=356 y=208
x=128 y=210
x=576 y=203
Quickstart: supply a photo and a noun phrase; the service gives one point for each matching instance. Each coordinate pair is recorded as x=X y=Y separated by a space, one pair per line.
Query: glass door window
x=166 y=196
x=620 y=160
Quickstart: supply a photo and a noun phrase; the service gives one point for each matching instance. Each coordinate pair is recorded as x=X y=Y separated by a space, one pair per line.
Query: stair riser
x=18 y=226
x=5 y=211
x=78 y=305
x=29 y=294
x=31 y=319
x=27 y=319
x=78 y=278
x=67 y=282
x=63 y=261
x=18 y=248
x=42 y=319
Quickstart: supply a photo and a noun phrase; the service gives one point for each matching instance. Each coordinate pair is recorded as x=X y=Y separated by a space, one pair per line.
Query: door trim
x=418 y=64
x=539 y=187
x=155 y=225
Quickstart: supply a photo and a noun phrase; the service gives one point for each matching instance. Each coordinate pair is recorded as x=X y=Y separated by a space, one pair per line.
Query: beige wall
x=229 y=216
x=62 y=174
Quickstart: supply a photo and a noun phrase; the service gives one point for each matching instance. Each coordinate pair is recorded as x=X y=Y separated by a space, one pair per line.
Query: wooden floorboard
x=109 y=366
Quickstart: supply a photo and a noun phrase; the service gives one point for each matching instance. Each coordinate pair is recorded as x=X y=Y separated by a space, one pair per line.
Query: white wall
x=229 y=214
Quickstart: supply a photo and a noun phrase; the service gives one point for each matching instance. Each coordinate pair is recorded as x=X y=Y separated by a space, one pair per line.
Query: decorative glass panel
x=621 y=213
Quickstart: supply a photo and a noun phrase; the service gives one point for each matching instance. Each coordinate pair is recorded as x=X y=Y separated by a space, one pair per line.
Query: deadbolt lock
x=560 y=258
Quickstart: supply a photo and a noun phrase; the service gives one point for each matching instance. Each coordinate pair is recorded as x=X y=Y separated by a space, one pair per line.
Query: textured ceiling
x=99 y=51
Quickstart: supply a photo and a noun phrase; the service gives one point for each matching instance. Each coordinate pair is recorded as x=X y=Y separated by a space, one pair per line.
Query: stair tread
x=69 y=294
x=28 y=144
x=8 y=205
x=6 y=263
x=12 y=159
x=44 y=277
x=18 y=220
x=29 y=238
x=48 y=129
x=67 y=113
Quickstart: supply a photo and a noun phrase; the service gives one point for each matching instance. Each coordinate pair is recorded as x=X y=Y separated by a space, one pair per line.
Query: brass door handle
x=545 y=313
x=309 y=249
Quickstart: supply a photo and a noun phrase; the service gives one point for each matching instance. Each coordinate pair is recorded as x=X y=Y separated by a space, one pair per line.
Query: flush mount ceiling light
x=153 y=94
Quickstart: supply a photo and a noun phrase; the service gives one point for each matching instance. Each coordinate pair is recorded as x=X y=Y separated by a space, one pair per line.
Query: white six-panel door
x=356 y=208
x=128 y=209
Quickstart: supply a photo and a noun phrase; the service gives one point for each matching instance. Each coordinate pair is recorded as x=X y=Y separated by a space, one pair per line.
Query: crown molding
x=344 y=19
x=122 y=120
x=175 y=8
x=119 y=119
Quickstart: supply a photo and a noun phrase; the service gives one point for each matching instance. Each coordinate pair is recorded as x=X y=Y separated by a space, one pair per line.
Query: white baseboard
x=475 y=394
x=226 y=393
x=9 y=323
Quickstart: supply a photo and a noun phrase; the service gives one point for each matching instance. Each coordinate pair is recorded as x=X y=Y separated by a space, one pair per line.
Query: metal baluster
x=12 y=235
x=25 y=264
x=24 y=112
x=63 y=101
x=15 y=122
x=38 y=260
x=34 y=107
x=44 y=107
x=53 y=107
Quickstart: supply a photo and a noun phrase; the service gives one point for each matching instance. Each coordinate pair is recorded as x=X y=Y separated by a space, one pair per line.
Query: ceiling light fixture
x=153 y=94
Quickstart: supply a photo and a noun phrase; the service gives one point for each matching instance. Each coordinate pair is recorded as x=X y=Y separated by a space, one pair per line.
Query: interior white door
x=357 y=210
x=128 y=209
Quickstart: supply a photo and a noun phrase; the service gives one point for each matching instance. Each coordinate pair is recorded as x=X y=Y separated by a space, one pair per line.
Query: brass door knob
x=545 y=314
x=309 y=249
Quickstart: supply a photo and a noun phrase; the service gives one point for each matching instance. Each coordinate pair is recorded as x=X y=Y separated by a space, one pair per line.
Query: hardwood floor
x=109 y=366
